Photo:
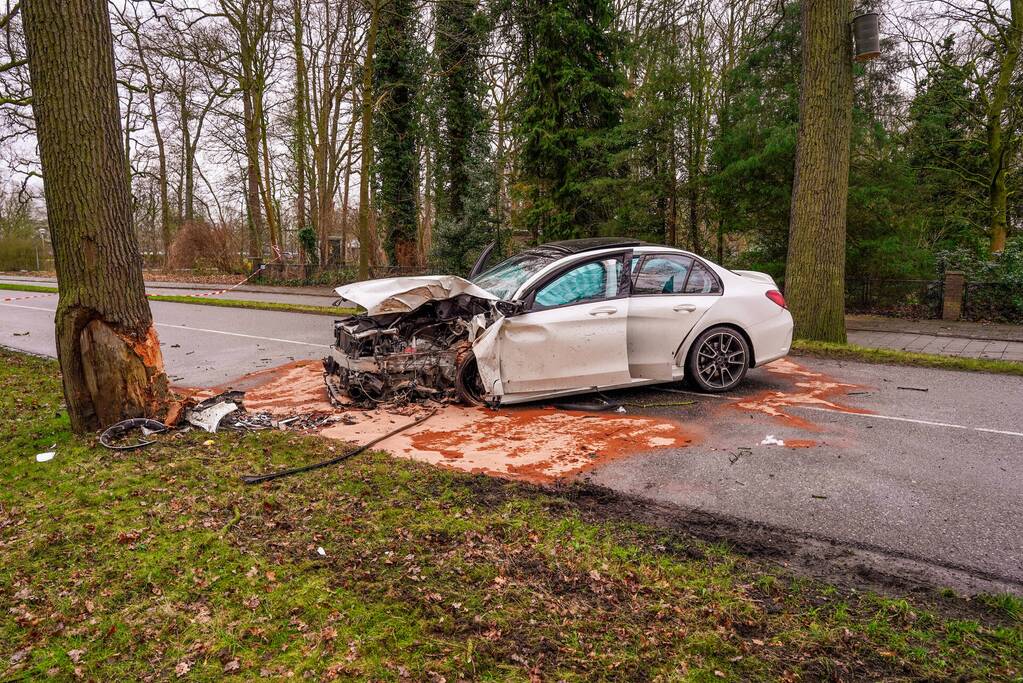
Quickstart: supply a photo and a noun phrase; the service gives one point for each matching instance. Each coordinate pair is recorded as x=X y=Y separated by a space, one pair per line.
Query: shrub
x=17 y=253
x=202 y=247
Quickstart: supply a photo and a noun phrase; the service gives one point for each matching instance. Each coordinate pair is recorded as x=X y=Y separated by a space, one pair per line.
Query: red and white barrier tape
x=224 y=291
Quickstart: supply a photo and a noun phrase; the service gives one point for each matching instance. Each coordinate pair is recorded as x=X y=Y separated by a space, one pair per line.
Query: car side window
x=702 y=281
x=662 y=275
x=591 y=281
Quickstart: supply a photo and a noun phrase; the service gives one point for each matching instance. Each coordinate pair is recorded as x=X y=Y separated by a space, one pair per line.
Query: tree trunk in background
x=300 y=115
x=365 y=242
x=815 y=270
x=109 y=354
x=999 y=150
x=254 y=211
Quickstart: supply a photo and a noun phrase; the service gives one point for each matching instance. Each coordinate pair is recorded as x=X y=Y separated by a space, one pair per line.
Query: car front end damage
x=411 y=340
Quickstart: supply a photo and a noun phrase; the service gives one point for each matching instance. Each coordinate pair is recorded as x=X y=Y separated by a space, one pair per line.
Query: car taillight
x=776 y=296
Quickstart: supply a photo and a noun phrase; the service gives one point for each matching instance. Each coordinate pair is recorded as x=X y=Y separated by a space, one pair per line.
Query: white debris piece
x=45 y=457
x=769 y=440
x=209 y=418
x=321 y=552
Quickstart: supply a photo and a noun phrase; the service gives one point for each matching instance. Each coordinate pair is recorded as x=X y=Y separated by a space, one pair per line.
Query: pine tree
x=569 y=113
x=464 y=190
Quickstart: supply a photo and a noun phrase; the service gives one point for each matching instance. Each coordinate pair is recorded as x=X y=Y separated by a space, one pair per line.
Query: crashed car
x=559 y=319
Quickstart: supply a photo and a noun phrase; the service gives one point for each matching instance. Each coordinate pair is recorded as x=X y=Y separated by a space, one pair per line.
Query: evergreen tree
x=463 y=183
x=569 y=110
x=397 y=81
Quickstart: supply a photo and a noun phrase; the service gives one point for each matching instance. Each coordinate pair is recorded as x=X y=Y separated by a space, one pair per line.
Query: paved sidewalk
x=941 y=337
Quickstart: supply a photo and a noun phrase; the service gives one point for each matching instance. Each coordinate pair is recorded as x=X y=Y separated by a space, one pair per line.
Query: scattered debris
x=22 y=334
x=740 y=452
x=260 y=478
x=208 y=414
x=913 y=388
x=116 y=436
x=320 y=551
x=45 y=457
x=818 y=496
x=769 y=440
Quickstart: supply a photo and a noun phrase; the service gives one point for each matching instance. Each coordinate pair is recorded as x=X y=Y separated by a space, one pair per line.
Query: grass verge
x=896 y=357
x=160 y=564
x=202 y=301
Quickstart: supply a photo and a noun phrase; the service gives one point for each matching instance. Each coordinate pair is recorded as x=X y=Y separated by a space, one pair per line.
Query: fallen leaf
x=75 y=655
x=183 y=668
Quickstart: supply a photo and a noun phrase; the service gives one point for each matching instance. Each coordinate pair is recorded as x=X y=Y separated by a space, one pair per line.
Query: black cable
x=260 y=478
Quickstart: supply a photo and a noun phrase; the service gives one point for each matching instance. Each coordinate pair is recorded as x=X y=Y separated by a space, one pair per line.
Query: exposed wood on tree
x=108 y=350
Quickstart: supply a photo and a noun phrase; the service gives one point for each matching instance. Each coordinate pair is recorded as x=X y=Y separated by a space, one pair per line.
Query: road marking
x=929 y=423
x=246 y=336
x=199 y=329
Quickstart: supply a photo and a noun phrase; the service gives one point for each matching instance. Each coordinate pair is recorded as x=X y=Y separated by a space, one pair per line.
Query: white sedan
x=559 y=319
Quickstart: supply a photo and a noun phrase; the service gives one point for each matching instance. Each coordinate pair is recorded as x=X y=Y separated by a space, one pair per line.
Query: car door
x=670 y=293
x=572 y=334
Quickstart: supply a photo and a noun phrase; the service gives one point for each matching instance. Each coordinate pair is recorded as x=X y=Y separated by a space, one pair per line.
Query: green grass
x=158 y=563
x=202 y=301
x=896 y=357
x=27 y=288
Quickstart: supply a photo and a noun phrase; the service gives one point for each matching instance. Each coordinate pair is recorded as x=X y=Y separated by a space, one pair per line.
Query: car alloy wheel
x=719 y=359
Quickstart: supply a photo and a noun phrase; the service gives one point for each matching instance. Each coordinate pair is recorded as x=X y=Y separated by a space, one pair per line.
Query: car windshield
x=504 y=279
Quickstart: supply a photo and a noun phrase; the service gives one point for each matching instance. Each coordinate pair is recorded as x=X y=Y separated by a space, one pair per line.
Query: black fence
x=993 y=301
x=903 y=298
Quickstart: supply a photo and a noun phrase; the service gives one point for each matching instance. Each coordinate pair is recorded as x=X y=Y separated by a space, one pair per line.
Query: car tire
x=468 y=385
x=718 y=360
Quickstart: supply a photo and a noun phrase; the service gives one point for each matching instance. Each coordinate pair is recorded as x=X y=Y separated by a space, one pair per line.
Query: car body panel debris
x=45 y=457
x=560 y=319
x=208 y=414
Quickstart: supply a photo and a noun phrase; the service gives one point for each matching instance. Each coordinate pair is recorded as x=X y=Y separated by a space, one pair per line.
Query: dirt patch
x=807 y=388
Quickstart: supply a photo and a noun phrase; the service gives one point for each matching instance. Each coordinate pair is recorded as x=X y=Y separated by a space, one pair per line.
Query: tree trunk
x=109 y=354
x=815 y=271
x=365 y=241
x=998 y=150
x=254 y=211
x=300 y=107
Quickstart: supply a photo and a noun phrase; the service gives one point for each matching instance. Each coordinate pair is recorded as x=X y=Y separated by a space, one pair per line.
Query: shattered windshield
x=504 y=279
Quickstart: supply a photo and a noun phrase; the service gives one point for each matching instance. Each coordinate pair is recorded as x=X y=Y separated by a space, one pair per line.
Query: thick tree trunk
x=109 y=355
x=815 y=270
x=365 y=241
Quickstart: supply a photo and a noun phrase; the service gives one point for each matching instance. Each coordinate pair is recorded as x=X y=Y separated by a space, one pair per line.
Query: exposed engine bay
x=421 y=350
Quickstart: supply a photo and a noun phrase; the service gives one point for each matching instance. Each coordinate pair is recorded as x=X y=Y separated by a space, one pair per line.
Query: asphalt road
x=933 y=474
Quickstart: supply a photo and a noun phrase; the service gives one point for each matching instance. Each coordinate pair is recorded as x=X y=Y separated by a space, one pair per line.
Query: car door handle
x=604 y=310
x=684 y=308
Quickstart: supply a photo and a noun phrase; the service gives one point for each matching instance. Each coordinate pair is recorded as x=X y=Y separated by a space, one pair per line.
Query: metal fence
x=907 y=298
x=993 y=301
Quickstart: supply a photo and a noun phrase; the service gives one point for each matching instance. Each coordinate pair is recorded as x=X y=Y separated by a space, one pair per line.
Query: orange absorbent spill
x=808 y=388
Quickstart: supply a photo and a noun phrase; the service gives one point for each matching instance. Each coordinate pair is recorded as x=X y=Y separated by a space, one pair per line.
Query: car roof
x=568 y=247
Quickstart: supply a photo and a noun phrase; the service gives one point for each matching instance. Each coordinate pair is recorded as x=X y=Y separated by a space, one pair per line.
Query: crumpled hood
x=406 y=294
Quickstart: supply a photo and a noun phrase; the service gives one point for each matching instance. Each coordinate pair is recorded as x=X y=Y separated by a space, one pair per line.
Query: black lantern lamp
x=867 y=37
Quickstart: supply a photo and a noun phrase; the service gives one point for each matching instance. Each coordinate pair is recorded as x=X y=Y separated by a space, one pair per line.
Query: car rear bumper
x=772 y=339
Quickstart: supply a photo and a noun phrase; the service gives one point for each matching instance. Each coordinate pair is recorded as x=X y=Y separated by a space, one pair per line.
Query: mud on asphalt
x=554 y=449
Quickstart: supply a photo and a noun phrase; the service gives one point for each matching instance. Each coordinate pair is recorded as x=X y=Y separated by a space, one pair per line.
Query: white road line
x=246 y=336
x=200 y=329
x=929 y=423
